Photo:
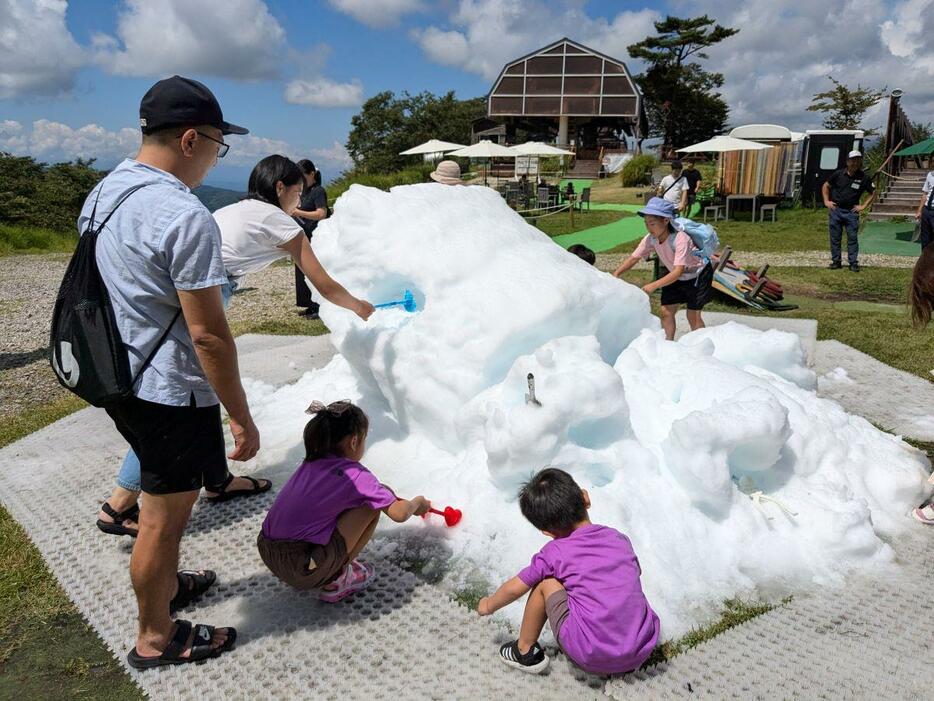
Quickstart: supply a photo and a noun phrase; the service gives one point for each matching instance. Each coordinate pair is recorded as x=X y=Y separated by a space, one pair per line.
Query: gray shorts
x=556 y=608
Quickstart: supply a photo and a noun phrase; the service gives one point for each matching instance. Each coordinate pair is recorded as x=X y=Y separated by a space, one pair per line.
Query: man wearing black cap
x=842 y=192
x=160 y=258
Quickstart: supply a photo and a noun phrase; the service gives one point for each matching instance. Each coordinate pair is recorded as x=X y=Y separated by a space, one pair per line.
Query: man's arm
x=330 y=289
x=864 y=205
x=683 y=203
x=511 y=590
x=214 y=345
x=924 y=199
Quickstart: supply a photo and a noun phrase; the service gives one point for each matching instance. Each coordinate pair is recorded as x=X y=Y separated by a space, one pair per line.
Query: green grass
x=23 y=239
x=558 y=224
x=297 y=326
x=610 y=191
x=734 y=613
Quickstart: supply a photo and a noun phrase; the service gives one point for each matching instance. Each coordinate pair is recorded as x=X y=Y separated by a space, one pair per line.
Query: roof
x=762 y=132
x=565 y=78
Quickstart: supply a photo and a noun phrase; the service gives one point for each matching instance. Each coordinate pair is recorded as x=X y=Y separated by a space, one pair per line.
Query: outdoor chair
x=544 y=197
x=771 y=208
x=585 y=197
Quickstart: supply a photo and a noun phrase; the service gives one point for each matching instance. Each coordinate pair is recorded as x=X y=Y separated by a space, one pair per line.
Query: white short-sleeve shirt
x=251 y=233
x=674 y=188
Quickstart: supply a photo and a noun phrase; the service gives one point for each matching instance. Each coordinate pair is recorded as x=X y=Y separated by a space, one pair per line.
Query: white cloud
x=377 y=13
x=785 y=51
x=485 y=34
x=53 y=141
x=248 y=149
x=335 y=158
x=909 y=33
x=237 y=39
x=323 y=92
x=38 y=55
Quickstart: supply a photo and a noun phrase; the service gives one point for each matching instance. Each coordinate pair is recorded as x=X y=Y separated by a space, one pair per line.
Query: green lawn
x=558 y=224
x=22 y=239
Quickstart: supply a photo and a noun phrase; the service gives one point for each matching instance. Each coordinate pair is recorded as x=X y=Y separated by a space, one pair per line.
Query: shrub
x=637 y=170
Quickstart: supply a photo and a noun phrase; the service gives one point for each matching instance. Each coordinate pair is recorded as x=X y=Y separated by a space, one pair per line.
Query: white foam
x=669 y=438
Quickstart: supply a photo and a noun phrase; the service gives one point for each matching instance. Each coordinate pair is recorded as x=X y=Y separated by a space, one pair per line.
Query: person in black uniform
x=312 y=208
x=842 y=193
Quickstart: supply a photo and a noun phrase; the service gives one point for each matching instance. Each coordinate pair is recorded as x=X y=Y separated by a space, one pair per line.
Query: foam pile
x=714 y=454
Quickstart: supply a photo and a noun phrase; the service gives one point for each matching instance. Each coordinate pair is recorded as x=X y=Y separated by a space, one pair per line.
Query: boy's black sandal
x=117 y=527
x=191 y=585
x=534 y=661
x=201 y=648
x=224 y=494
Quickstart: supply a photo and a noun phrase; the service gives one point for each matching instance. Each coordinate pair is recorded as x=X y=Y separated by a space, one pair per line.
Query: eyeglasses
x=334 y=408
x=221 y=152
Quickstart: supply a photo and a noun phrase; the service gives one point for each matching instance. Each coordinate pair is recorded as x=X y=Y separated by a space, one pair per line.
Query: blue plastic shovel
x=407 y=302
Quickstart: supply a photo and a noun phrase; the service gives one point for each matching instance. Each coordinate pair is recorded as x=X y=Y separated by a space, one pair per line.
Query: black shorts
x=180 y=448
x=693 y=293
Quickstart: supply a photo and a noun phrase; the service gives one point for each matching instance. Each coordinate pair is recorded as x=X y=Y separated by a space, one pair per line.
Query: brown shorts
x=556 y=608
x=301 y=564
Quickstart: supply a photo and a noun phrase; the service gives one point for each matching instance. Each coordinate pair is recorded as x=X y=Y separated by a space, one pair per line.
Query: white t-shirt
x=676 y=188
x=251 y=233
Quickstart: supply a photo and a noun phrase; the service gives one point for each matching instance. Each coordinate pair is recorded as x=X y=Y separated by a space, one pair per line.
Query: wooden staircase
x=902 y=196
x=589 y=170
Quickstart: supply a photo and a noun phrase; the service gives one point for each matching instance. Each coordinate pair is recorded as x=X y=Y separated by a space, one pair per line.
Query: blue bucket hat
x=660 y=207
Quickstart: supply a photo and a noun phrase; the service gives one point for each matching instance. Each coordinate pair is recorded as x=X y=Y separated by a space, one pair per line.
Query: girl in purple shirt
x=585 y=583
x=327 y=512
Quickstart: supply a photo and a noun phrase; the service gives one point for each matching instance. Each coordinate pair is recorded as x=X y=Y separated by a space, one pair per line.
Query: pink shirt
x=677 y=250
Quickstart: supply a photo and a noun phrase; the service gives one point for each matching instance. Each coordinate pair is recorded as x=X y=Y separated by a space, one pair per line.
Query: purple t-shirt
x=610 y=626
x=308 y=505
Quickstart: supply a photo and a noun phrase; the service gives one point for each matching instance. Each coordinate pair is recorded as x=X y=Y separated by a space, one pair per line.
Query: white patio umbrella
x=719 y=144
x=484 y=149
x=431 y=146
x=538 y=148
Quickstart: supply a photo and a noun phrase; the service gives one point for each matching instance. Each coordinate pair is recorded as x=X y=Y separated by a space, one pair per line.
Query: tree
x=41 y=195
x=844 y=107
x=682 y=102
x=920 y=132
x=387 y=124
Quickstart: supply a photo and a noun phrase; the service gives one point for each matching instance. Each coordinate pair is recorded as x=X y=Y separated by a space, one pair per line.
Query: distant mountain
x=216 y=197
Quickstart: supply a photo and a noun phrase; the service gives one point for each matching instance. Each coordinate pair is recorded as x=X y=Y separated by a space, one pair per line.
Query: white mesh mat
x=405 y=639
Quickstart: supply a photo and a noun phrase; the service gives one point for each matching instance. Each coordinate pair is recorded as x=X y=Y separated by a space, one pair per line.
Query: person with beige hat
x=447 y=173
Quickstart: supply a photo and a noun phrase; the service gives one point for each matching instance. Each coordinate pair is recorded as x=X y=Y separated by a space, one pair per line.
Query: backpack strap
x=115 y=207
x=155 y=348
x=672 y=185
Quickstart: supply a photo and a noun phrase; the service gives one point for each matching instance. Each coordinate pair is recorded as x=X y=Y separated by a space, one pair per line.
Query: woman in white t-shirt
x=255 y=232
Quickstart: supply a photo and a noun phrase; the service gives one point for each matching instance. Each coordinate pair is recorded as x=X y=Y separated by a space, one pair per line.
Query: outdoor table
x=753 y=198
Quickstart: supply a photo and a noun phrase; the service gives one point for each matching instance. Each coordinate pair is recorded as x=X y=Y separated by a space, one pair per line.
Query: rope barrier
x=558 y=209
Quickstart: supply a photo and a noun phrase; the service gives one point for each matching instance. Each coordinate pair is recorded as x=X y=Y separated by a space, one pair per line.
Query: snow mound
x=714 y=454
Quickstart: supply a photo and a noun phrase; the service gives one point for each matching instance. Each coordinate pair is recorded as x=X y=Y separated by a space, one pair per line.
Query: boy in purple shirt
x=585 y=582
x=327 y=512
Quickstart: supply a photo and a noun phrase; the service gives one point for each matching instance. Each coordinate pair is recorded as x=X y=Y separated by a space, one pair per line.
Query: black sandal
x=191 y=585
x=117 y=527
x=200 y=651
x=224 y=495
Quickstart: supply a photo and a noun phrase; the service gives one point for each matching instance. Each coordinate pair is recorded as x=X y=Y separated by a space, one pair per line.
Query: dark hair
x=552 y=501
x=676 y=165
x=306 y=166
x=921 y=291
x=584 y=253
x=330 y=425
x=267 y=173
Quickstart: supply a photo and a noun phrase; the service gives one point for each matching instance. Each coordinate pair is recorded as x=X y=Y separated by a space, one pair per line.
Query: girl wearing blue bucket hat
x=689 y=277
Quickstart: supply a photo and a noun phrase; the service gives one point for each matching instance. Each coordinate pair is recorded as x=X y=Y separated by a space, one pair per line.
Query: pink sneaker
x=924 y=514
x=356 y=576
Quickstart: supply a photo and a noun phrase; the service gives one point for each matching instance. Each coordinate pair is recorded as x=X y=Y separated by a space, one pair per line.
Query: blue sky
x=295 y=71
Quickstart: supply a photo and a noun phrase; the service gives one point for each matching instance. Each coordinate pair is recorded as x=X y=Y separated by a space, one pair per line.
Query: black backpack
x=85 y=348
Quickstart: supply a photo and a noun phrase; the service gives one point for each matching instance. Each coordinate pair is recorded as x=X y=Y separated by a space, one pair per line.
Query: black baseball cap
x=182 y=102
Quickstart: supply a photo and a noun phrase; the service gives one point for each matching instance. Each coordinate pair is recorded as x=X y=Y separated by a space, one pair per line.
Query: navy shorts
x=694 y=293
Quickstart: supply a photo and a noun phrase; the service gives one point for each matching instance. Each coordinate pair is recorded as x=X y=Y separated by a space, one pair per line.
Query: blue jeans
x=840 y=219
x=129 y=476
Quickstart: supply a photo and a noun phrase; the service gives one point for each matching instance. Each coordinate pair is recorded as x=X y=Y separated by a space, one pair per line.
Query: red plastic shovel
x=451 y=515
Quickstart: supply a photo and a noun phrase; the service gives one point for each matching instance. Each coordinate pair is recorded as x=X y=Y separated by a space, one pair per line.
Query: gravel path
x=28 y=285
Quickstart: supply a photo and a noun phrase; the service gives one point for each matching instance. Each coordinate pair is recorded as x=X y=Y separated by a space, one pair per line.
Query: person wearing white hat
x=842 y=192
x=446 y=173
